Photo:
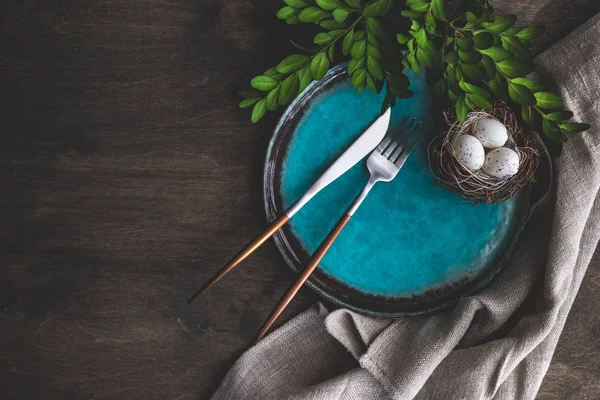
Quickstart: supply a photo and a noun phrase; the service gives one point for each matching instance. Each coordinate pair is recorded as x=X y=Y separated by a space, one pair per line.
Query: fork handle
x=315 y=260
x=242 y=255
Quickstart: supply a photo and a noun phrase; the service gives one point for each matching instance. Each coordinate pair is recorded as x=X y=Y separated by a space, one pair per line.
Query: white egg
x=469 y=151
x=490 y=132
x=501 y=163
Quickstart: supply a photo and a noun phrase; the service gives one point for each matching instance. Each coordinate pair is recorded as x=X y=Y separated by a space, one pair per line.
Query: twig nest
x=487 y=158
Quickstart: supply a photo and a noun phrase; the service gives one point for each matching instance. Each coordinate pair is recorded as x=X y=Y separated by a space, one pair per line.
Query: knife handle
x=241 y=256
x=316 y=258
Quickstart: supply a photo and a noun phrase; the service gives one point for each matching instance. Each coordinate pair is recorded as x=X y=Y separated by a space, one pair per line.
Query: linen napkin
x=493 y=345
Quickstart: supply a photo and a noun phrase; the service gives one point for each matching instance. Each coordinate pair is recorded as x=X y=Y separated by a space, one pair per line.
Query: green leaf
x=353 y=3
x=374 y=52
x=514 y=68
x=551 y=130
x=273 y=73
x=490 y=67
x=575 y=127
x=483 y=40
x=263 y=83
x=374 y=67
x=430 y=24
x=249 y=102
x=359 y=35
x=438 y=10
x=319 y=66
x=472 y=89
x=372 y=40
x=498 y=87
x=412 y=14
x=480 y=101
x=548 y=100
x=473 y=71
x=520 y=94
x=461 y=108
x=272 y=99
x=421 y=38
x=528 y=116
x=340 y=14
x=402 y=39
x=310 y=14
x=287 y=12
x=514 y=45
x=331 y=53
x=450 y=57
x=305 y=78
x=416 y=24
x=296 y=3
x=512 y=31
x=371 y=84
x=331 y=24
x=376 y=28
x=250 y=93
x=398 y=83
x=529 y=84
x=347 y=43
x=419 y=6
x=355 y=65
x=560 y=116
x=465 y=43
x=358 y=49
x=361 y=86
x=323 y=38
x=424 y=57
x=531 y=32
x=336 y=33
x=291 y=63
x=358 y=77
x=329 y=4
x=500 y=24
x=292 y=21
x=496 y=53
x=469 y=57
x=288 y=89
x=377 y=8
x=259 y=110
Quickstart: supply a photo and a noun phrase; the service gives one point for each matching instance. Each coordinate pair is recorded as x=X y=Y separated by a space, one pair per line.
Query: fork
x=383 y=164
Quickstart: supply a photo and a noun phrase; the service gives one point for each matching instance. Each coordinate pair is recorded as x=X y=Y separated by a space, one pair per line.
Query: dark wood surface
x=128 y=176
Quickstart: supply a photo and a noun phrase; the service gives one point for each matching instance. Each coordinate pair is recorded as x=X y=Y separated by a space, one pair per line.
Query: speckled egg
x=469 y=151
x=501 y=163
x=490 y=132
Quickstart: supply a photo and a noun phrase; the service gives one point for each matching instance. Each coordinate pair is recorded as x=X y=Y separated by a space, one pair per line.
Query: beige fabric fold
x=494 y=345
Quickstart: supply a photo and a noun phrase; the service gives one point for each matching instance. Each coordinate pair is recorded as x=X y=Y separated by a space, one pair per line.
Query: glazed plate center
x=409 y=236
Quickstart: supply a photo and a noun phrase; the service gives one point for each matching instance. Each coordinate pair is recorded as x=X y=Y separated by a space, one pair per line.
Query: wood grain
x=129 y=176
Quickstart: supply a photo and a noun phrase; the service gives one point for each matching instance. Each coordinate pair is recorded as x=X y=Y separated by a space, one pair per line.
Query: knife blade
x=358 y=150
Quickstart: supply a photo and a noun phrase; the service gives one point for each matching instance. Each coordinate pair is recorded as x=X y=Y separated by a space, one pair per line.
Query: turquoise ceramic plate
x=412 y=247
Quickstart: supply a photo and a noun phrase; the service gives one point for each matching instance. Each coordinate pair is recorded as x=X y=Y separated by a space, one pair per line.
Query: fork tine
x=383 y=146
x=401 y=141
x=396 y=137
x=411 y=143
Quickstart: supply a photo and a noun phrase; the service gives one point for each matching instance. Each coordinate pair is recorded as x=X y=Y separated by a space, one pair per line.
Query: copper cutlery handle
x=314 y=262
x=241 y=256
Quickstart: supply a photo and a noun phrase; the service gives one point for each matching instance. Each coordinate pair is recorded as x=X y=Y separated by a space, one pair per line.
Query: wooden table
x=129 y=175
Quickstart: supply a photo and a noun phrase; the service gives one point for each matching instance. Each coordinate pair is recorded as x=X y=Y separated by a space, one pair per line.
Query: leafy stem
x=474 y=57
x=488 y=56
